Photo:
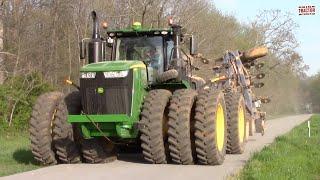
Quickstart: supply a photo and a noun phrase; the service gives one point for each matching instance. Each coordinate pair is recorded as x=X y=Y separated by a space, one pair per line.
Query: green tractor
x=145 y=94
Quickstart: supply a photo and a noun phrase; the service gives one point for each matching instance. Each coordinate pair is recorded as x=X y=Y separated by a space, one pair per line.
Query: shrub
x=17 y=96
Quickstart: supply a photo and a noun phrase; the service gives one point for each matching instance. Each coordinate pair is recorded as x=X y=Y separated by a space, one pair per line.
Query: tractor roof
x=137 y=30
x=142 y=31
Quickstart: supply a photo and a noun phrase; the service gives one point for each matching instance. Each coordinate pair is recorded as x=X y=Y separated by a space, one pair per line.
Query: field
x=15 y=155
x=291 y=156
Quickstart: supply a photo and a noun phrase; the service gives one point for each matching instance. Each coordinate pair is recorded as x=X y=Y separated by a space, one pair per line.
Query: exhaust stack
x=95 y=30
x=96 y=47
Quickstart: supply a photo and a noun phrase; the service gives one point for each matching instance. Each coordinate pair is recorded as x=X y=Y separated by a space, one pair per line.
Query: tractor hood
x=112 y=66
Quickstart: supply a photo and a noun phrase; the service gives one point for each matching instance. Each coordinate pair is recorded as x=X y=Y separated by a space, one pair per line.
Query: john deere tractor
x=137 y=88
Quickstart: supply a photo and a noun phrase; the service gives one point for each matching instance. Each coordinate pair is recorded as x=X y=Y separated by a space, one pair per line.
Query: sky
x=308 y=33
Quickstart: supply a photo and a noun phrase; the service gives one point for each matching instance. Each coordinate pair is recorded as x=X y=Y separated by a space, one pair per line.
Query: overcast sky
x=308 y=33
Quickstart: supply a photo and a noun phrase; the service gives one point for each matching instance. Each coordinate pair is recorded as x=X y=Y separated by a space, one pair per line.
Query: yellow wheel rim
x=220 y=127
x=241 y=123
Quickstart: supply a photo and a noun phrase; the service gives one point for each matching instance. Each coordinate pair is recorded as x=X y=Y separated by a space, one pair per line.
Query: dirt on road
x=131 y=166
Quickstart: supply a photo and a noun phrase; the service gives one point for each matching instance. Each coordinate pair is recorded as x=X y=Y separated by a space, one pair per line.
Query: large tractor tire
x=181 y=126
x=94 y=151
x=210 y=127
x=236 y=123
x=154 y=120
x=42 y=118
x=63 y=136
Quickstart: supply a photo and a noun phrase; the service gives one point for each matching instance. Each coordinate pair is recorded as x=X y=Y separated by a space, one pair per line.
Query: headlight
x=116 y=74
x=88 y=75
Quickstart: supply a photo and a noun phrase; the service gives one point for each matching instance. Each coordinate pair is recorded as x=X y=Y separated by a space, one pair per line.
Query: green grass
x=15 y=154
x=291 y=156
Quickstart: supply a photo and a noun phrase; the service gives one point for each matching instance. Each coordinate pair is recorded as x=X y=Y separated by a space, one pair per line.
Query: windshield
x=147 y=49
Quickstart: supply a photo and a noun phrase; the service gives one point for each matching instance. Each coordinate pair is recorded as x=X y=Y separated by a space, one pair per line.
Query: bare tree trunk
x=1 y=46
x=69 y=57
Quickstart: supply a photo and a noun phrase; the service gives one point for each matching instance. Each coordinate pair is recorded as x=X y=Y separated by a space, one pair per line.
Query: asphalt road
x=133 y=167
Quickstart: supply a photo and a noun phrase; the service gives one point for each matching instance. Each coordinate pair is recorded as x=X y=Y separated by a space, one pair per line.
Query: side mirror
x=110 y=42
x=193 y=46
x=83 y=50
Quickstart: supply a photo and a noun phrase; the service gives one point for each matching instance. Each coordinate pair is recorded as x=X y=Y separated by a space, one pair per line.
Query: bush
x=17 y=96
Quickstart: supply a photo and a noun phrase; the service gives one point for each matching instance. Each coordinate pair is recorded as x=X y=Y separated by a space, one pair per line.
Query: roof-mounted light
x=164 y=32
x=136 y=26
x=104 y=25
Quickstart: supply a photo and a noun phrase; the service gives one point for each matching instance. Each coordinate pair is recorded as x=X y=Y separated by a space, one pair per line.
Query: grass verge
x=291 y=156
x=15 y=154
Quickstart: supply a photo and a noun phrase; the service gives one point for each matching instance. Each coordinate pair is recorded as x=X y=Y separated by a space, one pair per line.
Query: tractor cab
x=159 y=50
x=154 y=47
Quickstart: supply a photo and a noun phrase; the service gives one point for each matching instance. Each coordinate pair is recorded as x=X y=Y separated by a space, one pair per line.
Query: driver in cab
x=153 y=58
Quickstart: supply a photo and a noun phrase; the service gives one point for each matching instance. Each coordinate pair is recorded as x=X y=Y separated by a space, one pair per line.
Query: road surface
x=133 y=167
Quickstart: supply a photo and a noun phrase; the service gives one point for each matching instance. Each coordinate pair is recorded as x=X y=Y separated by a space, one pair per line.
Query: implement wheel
x=236 y=123
x=40 y=127
x=210 y=127
x=252 y=124
x=181 y=122
x=63 y=135
x=154 y=121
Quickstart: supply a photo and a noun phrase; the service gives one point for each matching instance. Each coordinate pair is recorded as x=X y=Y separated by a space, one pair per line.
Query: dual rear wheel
x=189 y=127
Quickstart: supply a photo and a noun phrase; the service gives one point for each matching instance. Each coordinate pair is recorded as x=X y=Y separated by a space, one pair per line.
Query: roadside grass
x=15 y=154
x=291 y=156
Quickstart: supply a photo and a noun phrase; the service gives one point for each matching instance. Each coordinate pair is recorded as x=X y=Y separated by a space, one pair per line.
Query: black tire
x=63 y=136
x=93 y=152
x=181 y=122
x=209 y=105
x=40 y=129
x=235 y=141
x=154 y=120
x=168 y=75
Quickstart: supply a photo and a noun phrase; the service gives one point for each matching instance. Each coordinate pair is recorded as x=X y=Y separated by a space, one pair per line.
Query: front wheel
x=42 y=118
x=63 y=135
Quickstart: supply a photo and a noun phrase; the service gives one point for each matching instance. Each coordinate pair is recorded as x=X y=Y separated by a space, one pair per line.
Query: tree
x=1 y=45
